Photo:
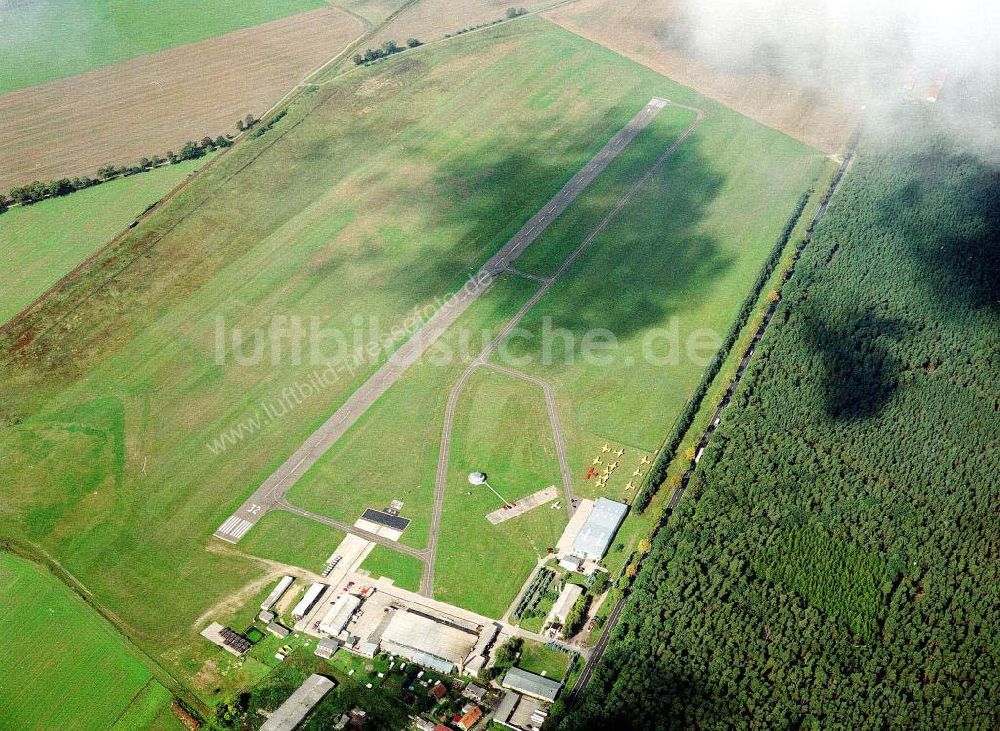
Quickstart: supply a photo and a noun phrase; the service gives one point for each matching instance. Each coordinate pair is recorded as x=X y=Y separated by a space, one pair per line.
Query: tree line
x=387 y=49
x=40 y=190
x=833 y=563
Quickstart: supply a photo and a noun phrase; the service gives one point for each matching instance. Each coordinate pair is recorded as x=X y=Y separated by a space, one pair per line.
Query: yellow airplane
x=630 y=486
x=597 y=460
x=606 y=448
x=645 y=460
x=637 y=473
x=615 y=465
x=620 y=452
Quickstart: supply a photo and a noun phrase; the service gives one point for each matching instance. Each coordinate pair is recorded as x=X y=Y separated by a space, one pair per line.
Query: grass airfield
x=375 y=194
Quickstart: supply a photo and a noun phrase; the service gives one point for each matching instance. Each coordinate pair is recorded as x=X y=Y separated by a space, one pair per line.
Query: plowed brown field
x=156 y=103
x=637 y=28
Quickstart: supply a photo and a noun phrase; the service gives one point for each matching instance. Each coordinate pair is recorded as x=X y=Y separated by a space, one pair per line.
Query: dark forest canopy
x=836 y=562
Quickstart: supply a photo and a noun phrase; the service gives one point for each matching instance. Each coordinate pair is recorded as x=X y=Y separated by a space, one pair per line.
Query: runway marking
x=233 y=529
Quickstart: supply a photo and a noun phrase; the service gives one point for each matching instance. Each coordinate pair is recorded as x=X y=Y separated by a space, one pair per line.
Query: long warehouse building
x=339 y=614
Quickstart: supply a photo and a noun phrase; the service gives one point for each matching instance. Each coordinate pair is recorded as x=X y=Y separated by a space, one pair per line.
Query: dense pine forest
x=836 y=562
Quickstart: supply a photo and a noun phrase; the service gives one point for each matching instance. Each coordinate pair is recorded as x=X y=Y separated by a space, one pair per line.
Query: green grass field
x=390 y=468
x=40 y=244
x=374 y=195
x=49 y=40
x=64 y=665
x=292 y=539
x=404 y=570
x=537 y=658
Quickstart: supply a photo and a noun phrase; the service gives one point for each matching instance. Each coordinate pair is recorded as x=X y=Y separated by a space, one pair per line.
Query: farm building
x=571 y=563
x=326 y=648
x=292 y=712
x=276 y=593
x=278 y=630
x=521 y=712
x=567 y=598
x=339 y=614
x=427 y=641
x=596 y=534
x=307 y=602
x=529 y=684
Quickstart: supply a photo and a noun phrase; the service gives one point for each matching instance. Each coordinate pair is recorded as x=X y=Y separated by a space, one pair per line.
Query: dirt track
x=156 y=103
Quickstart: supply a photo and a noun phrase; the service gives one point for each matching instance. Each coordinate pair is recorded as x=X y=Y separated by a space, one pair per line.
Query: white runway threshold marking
x=233 y=529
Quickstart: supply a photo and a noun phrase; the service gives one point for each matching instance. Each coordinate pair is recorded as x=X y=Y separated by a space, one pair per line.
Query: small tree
x=413 y=43
x=390 y=47
x=249 y=121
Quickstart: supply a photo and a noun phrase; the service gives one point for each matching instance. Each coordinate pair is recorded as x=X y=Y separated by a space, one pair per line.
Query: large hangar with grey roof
x=597 y=533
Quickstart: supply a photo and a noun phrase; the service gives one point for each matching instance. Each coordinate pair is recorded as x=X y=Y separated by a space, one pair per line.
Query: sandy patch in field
x=156 y=103
x=639 y=29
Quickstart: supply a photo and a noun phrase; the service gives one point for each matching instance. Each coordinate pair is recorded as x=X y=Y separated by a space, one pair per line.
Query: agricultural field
x=652 y=32
x=154 y=103
x=833 y=562
x=41 y=243
x=374 y=12
x=116 y=391
x=430 y=20
x=49 y=40
x=72 y=665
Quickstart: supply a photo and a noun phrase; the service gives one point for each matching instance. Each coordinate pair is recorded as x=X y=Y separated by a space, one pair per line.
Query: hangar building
x=427 y=641
x=596 y=534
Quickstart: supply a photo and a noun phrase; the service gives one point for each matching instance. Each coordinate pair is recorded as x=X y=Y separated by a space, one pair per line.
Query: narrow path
x=276 y=487
x=440 y=482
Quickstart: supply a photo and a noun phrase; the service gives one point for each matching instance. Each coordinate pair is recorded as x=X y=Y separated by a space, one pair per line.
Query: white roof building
x=529 y=684
x=427 y=641
x=339 y=614
x=292 y=712
x=567 y=598
x=308 y=600
x=596 y=534
x=276 y=593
